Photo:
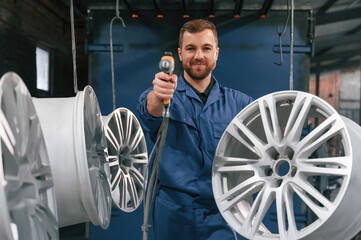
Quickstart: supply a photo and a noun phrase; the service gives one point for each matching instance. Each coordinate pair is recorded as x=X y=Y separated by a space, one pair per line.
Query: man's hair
x=195 y=26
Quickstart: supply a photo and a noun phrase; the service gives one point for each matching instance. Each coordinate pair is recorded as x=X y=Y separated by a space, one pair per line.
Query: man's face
x=199 y=54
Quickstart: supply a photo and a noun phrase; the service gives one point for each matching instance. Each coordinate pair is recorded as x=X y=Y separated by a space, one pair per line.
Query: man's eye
x=190 y=49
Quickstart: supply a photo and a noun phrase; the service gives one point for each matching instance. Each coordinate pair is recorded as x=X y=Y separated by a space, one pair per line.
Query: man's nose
x=199 y=54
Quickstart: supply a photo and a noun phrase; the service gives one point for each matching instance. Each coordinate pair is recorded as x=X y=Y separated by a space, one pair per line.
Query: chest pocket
x=179 y=113
x=218 y=128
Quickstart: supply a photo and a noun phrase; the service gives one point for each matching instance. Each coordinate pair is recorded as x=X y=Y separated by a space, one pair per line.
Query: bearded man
x=200 y=111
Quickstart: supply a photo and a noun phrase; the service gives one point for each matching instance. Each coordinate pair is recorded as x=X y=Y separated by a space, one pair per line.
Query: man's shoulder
x=234 y=93
x=227 y=90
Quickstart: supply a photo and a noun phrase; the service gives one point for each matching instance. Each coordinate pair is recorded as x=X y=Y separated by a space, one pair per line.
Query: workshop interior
x=77 y=165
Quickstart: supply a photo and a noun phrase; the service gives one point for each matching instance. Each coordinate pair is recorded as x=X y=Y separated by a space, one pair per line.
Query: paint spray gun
x=166 y=65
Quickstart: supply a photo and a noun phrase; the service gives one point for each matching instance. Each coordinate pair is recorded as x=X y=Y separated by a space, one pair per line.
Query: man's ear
x=217 y=52
x=179 y=54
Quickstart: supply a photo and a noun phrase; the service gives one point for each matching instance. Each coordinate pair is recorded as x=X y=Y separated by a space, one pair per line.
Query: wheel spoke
x=47 y=221
x=138 y=177
x=139 y=158
x=33 y=147
x=138 y=161
x=133 y=192
x=124 y=191
x=9 y=109
x=116 y=179
x=292 y=227
x=229 y=203
x=281 y=214
x=45 y=184
x=89 y=125
x=6 y=134
x=113 y=161
x=302 y=188
x=15 y=195
x=238 y=189
x=113 y=140
x=42 y=171
x=267 y=197
x=239 y=168
x=343 y=162
x=136 y=138
x=270 y=121
x=119 y=128
x=45 y=181
x=22 y=111
x=249 y=219
x=297 y=117
x=221 y=161
x=129 y=129
x=90 y=115
x=258 y=145
x=309 y=170
x=318 y=136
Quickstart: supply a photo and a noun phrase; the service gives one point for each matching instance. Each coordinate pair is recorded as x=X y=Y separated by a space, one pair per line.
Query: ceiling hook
x=280 y=34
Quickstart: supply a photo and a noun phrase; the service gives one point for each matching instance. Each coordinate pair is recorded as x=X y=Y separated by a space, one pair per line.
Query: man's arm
x=164 y=87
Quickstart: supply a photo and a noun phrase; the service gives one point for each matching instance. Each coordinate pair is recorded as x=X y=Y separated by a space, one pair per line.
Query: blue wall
x=246 y=63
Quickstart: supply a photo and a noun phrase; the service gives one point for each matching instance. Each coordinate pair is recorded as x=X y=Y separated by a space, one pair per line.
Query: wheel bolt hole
x=293 y=171
x=273 y=153
x=269 y=172
x=279 y=182
x=289 y=153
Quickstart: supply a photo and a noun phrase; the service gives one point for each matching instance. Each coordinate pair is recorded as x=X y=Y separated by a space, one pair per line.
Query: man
x=200 y=110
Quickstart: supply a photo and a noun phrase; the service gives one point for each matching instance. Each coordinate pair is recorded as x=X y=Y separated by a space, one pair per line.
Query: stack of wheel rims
x=27 y=200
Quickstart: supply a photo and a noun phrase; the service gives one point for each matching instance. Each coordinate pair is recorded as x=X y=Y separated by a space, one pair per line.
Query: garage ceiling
x=337 y=35
x=337 y=38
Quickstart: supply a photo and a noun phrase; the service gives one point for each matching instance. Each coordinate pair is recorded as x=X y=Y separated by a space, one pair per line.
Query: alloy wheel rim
x=263 y=140
x=128 y=159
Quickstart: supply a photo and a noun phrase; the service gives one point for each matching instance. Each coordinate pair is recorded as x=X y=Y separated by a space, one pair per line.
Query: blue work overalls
x=184 y=206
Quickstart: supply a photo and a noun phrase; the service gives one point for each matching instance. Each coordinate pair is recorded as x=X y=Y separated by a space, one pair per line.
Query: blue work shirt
x=194 y=130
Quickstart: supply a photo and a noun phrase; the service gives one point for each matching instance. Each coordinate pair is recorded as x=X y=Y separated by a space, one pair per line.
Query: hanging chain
x=111 y=48
x=73 y=48
x=291 y=45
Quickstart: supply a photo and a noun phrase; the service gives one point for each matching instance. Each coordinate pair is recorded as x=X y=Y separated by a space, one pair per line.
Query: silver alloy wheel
x=265 y=157
x=90 y=130
x=74 y=136
x=128 y=159
x=27 y=200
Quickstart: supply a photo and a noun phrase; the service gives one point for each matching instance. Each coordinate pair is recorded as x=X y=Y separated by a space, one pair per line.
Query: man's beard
x=198 y=75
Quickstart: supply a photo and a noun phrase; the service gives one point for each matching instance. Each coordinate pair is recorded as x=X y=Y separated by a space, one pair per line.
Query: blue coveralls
x=184 y=207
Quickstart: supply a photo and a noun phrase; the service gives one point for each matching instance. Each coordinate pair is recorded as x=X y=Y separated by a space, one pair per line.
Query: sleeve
x=149 y=123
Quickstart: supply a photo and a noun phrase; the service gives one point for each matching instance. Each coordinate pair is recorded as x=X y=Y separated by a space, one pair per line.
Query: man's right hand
x=164 y=86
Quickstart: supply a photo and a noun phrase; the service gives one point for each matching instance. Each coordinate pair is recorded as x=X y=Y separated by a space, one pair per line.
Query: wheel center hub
x=124 y=158
x=282 y=167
